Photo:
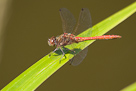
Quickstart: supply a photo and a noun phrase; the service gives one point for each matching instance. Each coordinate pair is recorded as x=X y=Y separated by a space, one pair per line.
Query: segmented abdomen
x=97 y=37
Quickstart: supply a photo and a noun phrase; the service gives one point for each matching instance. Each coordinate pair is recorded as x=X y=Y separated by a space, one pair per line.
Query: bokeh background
x=110 y=65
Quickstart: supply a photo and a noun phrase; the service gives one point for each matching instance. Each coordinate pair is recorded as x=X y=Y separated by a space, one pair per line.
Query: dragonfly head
x=52 y=41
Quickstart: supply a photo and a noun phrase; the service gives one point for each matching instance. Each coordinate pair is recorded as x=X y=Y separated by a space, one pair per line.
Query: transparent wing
x=68 y=23
x=68 y=20
x=84 y=21
x=79 y=57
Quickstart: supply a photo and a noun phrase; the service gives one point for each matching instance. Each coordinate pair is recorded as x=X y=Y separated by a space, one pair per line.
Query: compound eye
x=51 y=41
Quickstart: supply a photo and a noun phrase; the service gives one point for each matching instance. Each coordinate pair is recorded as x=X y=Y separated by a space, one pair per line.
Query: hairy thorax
x=66 y=39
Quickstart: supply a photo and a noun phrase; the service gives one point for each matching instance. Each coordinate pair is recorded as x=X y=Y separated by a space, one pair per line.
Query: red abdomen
x=97 y=37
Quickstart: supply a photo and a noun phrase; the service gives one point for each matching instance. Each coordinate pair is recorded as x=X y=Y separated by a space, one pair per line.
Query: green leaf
x=35 y=75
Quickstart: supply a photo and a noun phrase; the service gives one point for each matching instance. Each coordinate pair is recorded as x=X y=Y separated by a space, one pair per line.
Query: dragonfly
x=69 y=36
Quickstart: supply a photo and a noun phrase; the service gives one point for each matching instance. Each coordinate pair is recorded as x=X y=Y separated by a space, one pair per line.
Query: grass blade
x=131 y=87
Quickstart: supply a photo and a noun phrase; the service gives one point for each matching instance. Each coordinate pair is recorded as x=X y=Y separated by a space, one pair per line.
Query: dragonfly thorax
x=65 y=39
x=62 y=40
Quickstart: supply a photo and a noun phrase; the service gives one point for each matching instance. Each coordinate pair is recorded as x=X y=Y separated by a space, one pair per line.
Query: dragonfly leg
x=53 y=52
x=63 y=53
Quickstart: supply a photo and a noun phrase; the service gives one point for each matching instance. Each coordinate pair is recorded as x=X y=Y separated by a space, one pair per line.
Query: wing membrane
x=79 y=57
x=84 y=21
x=68 y=20
x=68 y=23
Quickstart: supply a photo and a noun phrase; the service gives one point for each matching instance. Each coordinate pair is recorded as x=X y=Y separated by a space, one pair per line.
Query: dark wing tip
x=82 y=9
x=59 y=9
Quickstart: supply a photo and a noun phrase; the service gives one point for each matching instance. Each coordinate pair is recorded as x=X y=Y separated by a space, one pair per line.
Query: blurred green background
x=110 y=65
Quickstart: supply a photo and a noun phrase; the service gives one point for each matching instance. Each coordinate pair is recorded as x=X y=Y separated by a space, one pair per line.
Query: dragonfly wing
x=68 y=23
x=79 y=57
x=68 y=20
x=84 y=21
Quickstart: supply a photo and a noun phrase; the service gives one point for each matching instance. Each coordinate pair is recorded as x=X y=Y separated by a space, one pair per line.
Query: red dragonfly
x=68 y=23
